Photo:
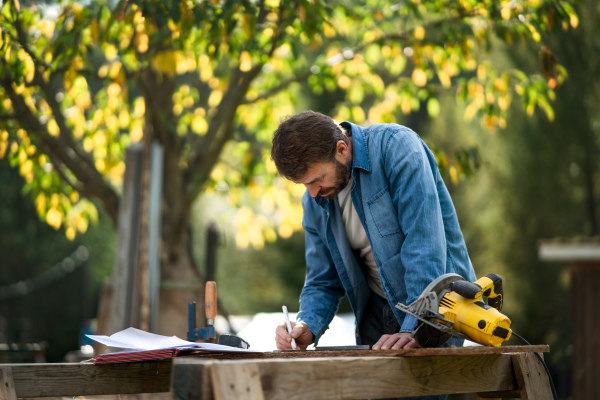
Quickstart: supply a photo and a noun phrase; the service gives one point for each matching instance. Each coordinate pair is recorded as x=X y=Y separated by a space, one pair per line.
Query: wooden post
x=583 y=257
x=236 y=381
x=7 y=385
x=124 y=299
x=531 y=377
x=585 y=278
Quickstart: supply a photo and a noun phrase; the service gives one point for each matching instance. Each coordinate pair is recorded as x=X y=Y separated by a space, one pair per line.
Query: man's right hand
x=300 y=333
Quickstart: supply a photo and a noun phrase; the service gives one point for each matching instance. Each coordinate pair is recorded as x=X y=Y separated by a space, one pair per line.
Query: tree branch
x=22 y=40
x=282 y=86
x=58 y=166
x=7 y=117
x=90 y=179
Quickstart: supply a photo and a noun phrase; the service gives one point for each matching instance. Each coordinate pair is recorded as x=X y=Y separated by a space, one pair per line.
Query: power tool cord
x=554 y=394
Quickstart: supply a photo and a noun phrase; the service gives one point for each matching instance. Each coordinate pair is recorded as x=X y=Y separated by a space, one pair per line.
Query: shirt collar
x=360 y=151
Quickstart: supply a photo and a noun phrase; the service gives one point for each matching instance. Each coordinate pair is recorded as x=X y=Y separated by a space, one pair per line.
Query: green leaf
x=433 y=107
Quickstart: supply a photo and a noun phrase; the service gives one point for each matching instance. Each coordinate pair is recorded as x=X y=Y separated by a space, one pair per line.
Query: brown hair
x=303 y=140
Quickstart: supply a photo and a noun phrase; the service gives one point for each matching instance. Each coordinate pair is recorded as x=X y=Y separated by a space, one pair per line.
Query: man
x=378 y=221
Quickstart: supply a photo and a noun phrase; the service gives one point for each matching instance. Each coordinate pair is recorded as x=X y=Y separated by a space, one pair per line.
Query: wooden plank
x=423 y=352
x=531 y=377
x=53 y=380
x=364 y=377
x=7 y=385
x=236 y=381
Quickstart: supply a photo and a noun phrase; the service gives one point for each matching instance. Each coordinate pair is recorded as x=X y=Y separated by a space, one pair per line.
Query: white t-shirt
x=358 y=238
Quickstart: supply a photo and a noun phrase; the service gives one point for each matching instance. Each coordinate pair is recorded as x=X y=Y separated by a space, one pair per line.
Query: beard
x=343 y=173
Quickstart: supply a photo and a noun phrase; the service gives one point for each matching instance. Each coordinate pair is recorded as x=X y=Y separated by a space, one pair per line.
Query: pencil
x=288 y=325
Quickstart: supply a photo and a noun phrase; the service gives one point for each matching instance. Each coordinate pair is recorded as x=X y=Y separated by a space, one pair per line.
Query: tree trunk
x=180 y=285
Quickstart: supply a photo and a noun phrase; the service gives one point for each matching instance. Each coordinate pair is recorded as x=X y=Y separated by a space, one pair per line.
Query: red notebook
x=145 y=355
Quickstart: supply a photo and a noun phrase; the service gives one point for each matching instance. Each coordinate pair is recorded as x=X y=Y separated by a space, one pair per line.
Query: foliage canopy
x=204 y=77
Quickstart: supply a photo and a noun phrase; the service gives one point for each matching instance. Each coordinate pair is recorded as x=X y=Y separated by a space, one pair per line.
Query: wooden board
x=428 y=352
x=54 y=380
x=356 y=377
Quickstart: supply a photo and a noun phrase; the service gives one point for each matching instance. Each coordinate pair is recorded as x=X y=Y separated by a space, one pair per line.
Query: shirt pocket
x=384 y=214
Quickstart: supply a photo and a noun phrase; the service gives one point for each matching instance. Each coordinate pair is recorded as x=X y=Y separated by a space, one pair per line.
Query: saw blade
x=433 y=320
x=441 y=284
x=426 y=307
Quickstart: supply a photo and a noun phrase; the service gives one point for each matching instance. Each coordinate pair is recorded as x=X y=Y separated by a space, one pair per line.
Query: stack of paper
x=138 y=345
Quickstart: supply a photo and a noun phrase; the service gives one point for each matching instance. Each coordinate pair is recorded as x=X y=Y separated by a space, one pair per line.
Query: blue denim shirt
x=408 y=216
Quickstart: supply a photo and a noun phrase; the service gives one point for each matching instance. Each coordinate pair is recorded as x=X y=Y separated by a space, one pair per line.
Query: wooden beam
x=54 y=380
x=357 y=377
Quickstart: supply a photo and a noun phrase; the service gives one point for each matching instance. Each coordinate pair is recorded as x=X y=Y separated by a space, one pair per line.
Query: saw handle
x=466 y=289
x=494 y=290
x=489 y=286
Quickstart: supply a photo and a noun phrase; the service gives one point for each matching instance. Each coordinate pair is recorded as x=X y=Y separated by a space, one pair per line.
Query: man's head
x=312 y=149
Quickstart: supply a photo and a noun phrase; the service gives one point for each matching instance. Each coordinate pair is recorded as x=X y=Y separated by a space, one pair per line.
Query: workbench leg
x=231 y=381
x=531 y=377
x=7 y=385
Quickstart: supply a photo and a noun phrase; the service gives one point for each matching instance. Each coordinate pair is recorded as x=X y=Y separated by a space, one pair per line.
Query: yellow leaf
x=573 y=20
x=344 y=82
x=54 y=218
x=285 y=231
x=419 y=33
x=419 y=77
x=53 y=129
x=165 y=61
x=70 y=233
x=3 y=147
x=88 y=144
x=26 y=167
x=453 y=174
x=215 y=98
x=136 y=132
x=103 y=71
x=124 y=119
x=139 y=107
x=444 y=79
x=199 y=125
x=245 y=62
x=358 y=114
x=110 y=52
x=205 y=69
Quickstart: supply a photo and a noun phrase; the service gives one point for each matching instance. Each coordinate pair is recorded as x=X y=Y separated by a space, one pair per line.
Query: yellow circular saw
x=452 y=306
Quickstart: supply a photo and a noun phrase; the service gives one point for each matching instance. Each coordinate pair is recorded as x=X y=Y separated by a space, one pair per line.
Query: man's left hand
x=401 y=340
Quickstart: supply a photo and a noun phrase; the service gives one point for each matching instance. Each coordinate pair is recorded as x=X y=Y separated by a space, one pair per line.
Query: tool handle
x=210 y=302
x=495 y=291
x=466 y=289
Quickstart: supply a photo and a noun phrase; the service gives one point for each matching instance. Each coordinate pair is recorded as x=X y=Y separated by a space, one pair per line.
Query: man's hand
x=300 y=333
x=400 y=340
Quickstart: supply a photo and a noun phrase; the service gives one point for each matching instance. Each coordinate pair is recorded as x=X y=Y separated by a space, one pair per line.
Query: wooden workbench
x=511 y=371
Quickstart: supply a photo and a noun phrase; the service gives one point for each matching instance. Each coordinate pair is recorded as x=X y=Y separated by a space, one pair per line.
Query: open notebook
x=138 y=345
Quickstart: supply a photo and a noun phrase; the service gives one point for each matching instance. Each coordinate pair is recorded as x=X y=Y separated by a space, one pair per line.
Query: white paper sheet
x=135 y=339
